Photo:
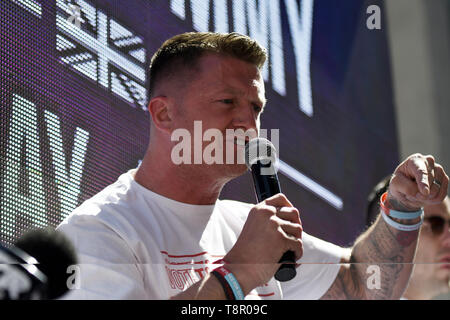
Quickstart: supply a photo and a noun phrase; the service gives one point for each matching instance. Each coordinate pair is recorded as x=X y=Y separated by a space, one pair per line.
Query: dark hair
x=373 y=205
x=184 y=50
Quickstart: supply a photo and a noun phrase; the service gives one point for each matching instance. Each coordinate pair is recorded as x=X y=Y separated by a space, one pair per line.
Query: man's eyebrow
x=261 y=102
x=229 y=90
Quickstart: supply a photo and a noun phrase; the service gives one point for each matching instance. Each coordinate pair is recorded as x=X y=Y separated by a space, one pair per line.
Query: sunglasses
x=437 y=224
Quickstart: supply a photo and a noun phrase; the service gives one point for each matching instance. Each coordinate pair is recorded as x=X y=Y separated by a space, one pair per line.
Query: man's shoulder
x=107 y=206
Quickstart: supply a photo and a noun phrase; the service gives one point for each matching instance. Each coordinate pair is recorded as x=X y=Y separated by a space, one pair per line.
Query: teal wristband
x=402 y=227
x=398 y=214
x=235 y=287
x=232 y=282
x=405 y=215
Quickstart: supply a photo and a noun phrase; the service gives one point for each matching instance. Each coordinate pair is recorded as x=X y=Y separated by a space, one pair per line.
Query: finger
x=293 y=230
x=294 y=244
x=291 y=235
x=290 y=229
x=437 y=181
x=290 y=214
x=263 y=209
x=404 y=185
x=438 y=189
x=297 y=246
x=431 y=161
x=444 y=186
x=278 y=200
x=419 y=169
x=417 y=203
x=431 y=171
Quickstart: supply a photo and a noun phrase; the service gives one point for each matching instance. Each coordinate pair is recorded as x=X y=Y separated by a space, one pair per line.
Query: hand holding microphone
x=273 y=227
x=261 y=159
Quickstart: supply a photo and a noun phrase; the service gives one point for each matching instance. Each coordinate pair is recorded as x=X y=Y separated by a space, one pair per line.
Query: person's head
x=373 y=200
x=209 y=77
x=431 y=273
x=177 y=60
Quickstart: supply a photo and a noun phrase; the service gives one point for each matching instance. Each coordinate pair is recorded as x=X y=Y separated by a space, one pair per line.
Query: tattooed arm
x=388 y=251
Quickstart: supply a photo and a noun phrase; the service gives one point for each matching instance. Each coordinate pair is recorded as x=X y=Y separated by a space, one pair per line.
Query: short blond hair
x=183 y=51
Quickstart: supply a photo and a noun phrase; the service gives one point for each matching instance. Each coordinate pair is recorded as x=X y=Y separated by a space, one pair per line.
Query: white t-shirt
x=135 y=244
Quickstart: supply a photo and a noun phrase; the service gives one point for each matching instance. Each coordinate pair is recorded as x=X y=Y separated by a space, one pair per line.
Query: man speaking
x=161 y=232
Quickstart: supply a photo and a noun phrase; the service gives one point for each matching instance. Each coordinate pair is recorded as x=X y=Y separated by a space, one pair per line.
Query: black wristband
x=226 y=287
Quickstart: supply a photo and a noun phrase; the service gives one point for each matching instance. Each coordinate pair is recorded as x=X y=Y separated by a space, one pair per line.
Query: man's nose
x=247 y=119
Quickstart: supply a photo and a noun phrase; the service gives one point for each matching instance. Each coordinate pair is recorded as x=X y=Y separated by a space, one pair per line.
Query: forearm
x=392 y=251
x=209 y=288
x=384 y=252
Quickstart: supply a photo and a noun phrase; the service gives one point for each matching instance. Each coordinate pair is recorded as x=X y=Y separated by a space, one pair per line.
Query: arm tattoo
x=391 y=250
x=347 y=285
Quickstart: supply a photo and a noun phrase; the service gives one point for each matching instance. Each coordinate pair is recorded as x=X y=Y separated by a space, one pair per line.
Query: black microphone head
x=260 y=149
x=54 y=253
x=20 y=279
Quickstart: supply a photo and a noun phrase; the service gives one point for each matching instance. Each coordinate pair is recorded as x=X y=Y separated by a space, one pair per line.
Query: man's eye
x=227 y=101
x=257 y=108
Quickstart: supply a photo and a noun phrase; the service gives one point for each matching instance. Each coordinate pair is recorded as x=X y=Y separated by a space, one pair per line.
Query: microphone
x=261 y=160
x=36 y=267
x=55 y=253
x=20 y=279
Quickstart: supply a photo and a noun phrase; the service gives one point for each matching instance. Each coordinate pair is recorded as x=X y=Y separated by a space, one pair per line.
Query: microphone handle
x=265 y=187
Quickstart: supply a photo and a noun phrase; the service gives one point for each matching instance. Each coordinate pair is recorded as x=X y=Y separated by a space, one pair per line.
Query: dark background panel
x=346 y=146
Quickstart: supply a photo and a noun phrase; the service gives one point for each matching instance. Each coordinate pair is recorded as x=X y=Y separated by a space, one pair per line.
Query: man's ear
x=161 y=110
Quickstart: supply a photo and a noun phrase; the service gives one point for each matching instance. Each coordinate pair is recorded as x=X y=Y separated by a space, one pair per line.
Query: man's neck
x=171 y=181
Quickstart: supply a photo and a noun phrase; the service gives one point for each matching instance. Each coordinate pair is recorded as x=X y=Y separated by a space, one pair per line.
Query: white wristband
x=402 y=227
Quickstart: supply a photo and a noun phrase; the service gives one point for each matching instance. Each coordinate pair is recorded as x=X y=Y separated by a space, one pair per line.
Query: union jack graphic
x=100 y=48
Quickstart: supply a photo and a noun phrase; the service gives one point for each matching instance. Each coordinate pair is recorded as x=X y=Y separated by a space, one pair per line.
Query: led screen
x=74 y=94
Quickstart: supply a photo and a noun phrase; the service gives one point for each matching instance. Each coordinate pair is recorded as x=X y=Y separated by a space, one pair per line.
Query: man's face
x=433 y=252
x=226 y=94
